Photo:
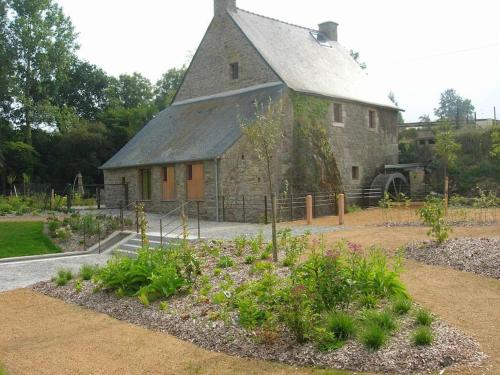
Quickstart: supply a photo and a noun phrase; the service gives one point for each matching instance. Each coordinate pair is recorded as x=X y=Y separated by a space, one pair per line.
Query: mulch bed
x=191 y=318
x=478 y=255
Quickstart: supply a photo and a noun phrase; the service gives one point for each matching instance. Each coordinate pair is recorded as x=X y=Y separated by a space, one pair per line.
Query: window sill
x=375 y=130
x=338 y=124
x=169 y=200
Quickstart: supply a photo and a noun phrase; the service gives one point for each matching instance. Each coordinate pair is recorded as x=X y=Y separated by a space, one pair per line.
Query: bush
x=423 y=317
x=87 y=271
x=240 y=243
x=383 y=319
x=54 y=225
x=293 y=247
x=63 y=277
x=261 y=267
x=225 y=262
x=63 y=233
x=250 y=259
x=433 y=214
x=401 y=306
x=341 y=324
x=373 y=336
x=422 y=336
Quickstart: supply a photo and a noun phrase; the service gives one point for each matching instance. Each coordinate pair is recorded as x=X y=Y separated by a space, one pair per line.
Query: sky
x=417 y=49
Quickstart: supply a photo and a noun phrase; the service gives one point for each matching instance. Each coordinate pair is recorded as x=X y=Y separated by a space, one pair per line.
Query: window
x=431 y=142
x=195 y=181
x=372 y=119
x=168 y=183
x=355 y=173
x=337 y=113
x=422 y=142
x=145 y=184
x=235 y=70
x=321 y=39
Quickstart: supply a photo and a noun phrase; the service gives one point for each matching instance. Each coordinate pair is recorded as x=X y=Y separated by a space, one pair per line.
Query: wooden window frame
x=168 y=195
x=145 y=197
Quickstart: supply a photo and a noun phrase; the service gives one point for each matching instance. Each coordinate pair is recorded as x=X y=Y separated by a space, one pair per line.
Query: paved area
x=22 y=274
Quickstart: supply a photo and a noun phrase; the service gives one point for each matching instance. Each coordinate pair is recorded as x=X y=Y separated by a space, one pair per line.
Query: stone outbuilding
x=339 y=128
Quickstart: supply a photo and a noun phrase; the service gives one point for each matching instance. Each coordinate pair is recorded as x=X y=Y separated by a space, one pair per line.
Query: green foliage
x=78 y=286
x=422 y=336
x=240 y=243
x=401 y=306
x=261 y=267
x=433 y=214
x=315 y=167
x=373 y=336
x=446 y=147
x=155 y=274
x=293 y=246
x=63 y=233
x=225 y=262
x=250 y=259
x=341 y=324
x=24 y=238
x=454 y=108
x=383 y=319
x=87 y=271
x=423 y=317
x=297 y=312
x=163 y=306
x=352 y=208
x=63 y=277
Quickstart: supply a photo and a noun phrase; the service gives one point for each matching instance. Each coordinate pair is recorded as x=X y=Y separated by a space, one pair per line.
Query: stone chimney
x=329 y=30
x=221 y=6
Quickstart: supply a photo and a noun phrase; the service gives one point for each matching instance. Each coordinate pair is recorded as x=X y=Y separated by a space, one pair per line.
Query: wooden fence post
x=341 y=205
x=309 y=209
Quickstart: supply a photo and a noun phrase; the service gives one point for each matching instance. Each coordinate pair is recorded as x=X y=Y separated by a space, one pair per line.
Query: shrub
x=217 y=272
x=163 y=306
x=53 y=225
x=423 y=317
x=422 y=336
x=261 y=267
x=87 y=271
x=368 y=301
x=341 y=324
x=225 y=262
x=383 y=319
x=293 y=247
x=63 y=277
x=326 y=339
x=373 y=336
x=297 y=312
x=433 y=214
x=353 y=208
x=78 y=286
x=401 y=306
x=63 y=233
x=240 y=243
x=250 y=259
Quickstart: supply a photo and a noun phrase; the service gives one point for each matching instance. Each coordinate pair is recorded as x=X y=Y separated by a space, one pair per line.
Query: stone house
x=338 y=127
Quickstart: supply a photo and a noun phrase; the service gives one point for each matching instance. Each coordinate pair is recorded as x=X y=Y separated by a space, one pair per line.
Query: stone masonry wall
x=210 y=71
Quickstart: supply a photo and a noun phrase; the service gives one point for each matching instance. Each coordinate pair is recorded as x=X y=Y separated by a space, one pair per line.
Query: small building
x=339 y=129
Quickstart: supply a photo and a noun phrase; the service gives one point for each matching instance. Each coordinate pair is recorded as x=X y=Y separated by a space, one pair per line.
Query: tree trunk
x=273 y=209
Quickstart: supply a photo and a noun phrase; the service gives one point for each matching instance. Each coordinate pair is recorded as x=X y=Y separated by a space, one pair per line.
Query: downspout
x=216 y=160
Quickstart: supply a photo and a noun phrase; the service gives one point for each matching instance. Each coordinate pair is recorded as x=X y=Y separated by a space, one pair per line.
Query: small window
x=337 y=113
x=355 y=173
x=372 y=119
x=145 y=181
x=432 y=142
x=422 y=142
x=235 y=70
x=189 y=172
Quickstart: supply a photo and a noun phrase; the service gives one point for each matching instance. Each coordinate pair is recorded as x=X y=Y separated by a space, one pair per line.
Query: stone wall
x=210 y=72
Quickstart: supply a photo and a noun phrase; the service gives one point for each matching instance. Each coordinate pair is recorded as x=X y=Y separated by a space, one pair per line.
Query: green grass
x=423 y=317
x=24 y=238
x=422 y=336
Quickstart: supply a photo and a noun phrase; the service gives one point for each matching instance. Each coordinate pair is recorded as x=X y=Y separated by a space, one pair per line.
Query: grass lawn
x=24 y=238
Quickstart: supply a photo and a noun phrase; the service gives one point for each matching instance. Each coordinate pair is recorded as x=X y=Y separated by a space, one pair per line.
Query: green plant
x=422 y=336
x=352 y=208
x=217 y=272
x=433 y=214
x=261 y=267
x=78 y=286
x=53 y=226
x=163 y=306
x=373 y=336
x=250 y=259
x=341 y=324
x=225 y=262
x=423 y=317
x=297 y=312
x=87 y=271
x=293 y=247
x=401 y=306
x=240 y=243
x=368 y=301
x=383 y=319
x=326 y=339
x=63 y=277
x=143 y=297
x=63 y=233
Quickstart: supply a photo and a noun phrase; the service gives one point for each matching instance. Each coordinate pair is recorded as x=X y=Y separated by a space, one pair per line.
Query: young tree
x=44 y=43
x=446 y=147
x=454 y=108
x=265 y=133
x=425 y=119
x=495 y=142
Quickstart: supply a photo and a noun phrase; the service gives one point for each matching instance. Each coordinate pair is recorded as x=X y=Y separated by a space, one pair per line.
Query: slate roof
x=305 y=65
x=193 y=130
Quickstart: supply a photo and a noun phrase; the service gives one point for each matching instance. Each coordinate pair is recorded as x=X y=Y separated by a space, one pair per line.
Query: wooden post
x=341 y=205
x=275 y=240
x=446 y=183
x=309 y=209
x=266 y=221
x=52 y=200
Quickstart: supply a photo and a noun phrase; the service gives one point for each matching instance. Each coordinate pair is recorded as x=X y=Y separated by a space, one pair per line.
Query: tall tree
x=454 y=108
x=425 y=118
x=130 y=91
x=167 y=86
x=265 y=133
x=6 y=60
x=446 y=147
x=44 y=43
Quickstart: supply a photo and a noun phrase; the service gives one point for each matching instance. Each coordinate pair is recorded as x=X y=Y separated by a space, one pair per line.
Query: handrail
x=176 y=209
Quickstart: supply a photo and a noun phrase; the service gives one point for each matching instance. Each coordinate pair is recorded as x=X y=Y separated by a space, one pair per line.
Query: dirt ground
x=41 y=335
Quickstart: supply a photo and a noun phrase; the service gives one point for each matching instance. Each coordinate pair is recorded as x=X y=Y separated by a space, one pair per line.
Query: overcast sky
x=417 y=49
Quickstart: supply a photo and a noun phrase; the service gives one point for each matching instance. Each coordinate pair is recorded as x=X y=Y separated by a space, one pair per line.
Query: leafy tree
x=356 y=56
x=167 y=86
x=265 y=133
x=452 y=107
x=44 y=43
x=19 y=158
x=495 y=140
x=392 y=98
x=130 y=91
x=446 y=148
x=425 y=119
x=5 y=57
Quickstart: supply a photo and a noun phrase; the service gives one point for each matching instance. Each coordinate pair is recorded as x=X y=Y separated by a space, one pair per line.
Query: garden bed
x=478 y=255
x=216 y=312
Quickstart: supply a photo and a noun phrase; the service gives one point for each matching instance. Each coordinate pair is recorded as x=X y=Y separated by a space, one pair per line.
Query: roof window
x=321 y=39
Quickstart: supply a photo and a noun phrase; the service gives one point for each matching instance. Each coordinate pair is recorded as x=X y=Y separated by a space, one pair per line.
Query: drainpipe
x=216 y=161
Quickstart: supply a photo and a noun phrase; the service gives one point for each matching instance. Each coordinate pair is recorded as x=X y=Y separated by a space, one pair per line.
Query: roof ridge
x=277 y=20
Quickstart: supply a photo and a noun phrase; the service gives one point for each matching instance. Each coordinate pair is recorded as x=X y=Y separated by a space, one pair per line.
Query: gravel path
x=478 y=255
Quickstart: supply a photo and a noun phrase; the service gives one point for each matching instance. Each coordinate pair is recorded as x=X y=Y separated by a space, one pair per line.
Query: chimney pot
x=221 y=6
x=329 y=30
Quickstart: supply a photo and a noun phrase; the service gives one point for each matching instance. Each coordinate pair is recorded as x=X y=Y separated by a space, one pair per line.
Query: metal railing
x=183 y=218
